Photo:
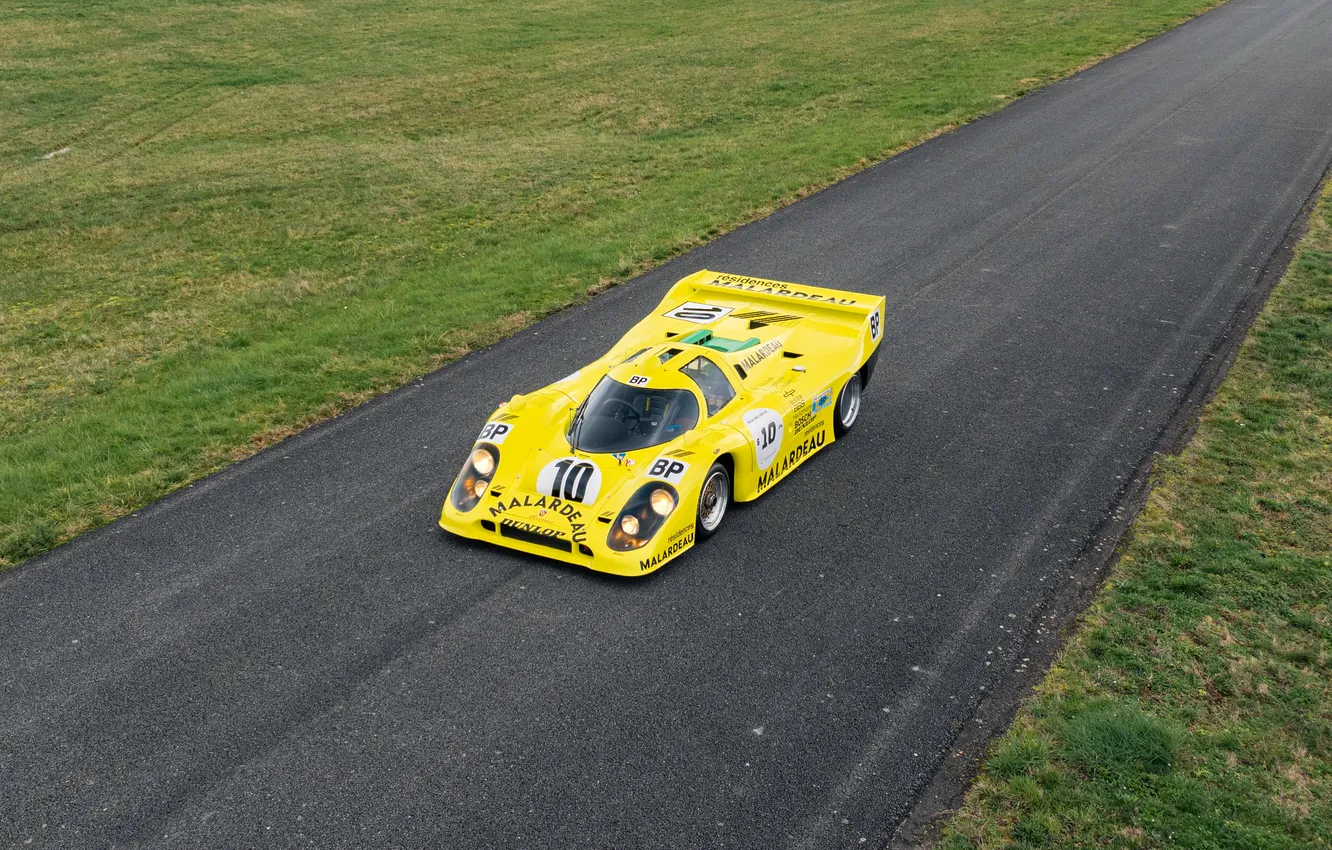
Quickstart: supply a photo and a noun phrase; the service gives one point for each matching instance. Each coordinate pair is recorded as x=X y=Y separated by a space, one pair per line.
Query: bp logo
x=668 y=469
x=495 y=432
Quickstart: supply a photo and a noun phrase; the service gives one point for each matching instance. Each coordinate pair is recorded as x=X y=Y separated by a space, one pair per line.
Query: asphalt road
x=291 y=654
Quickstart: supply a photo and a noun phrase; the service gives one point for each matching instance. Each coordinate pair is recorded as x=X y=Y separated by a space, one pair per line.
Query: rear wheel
x=848 y=406
x=867 y=371
x=713 y=500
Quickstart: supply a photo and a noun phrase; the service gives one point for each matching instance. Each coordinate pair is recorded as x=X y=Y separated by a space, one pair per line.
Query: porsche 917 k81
x=727 y=387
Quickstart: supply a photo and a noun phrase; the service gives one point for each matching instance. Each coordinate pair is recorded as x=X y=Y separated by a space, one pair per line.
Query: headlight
x=483 y=462
x=662 y=502
x=475 y=477
x=643 y=516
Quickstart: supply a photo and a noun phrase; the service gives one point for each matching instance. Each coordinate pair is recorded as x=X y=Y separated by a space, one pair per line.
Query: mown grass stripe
x=271 y=210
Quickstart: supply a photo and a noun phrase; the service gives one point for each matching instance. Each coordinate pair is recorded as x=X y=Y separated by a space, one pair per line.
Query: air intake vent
x=515 y=533
x=763 y=318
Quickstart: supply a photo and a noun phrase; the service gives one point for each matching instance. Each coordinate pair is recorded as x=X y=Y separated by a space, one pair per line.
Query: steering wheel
x=629 y=409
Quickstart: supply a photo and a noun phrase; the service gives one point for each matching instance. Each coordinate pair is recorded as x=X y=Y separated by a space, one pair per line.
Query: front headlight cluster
x=475 y=477
x=642 y=516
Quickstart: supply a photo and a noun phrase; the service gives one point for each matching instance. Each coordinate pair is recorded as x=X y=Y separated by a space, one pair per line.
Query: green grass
x=1193 y=709
x=269 y=211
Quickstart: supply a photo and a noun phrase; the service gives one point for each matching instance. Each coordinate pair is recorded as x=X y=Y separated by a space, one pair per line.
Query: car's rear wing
x=795 y=297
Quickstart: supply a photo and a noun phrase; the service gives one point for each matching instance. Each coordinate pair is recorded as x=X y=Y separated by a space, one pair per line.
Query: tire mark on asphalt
x=167 y=806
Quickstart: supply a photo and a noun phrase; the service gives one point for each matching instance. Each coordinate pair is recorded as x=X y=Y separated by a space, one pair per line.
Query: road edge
x=1061 y=614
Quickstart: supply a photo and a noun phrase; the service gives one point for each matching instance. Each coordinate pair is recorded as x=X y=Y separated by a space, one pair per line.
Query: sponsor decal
x=766 y=427
x=548 y=505
x=792 y=459
x=768 y=287
x=495 y=432
x=531 y=529
x=638 y=380
x=794 y=399
x=668 y=469
x=822 y=400
x=699 y=314
x=672 y=549
x=804 y=420
x=688 y=529
x=570 y=478
x=763 y=352
x=875 y=321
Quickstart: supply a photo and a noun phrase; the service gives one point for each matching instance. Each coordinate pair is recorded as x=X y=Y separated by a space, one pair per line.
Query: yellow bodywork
x=786 y=349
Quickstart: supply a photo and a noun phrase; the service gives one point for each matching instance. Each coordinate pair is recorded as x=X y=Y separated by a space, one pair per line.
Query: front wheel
x=713 y=500
x=848 y=406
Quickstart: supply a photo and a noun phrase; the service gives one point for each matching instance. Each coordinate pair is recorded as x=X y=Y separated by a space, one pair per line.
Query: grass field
x=1194 y=707
x=220 y=221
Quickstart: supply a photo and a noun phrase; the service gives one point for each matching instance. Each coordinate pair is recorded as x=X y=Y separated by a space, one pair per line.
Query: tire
x=867 y=371
x=707 y=522
x=848 y=406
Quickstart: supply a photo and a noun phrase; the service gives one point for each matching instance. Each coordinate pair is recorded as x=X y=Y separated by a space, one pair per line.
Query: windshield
x=619 y=418
x=717 y=391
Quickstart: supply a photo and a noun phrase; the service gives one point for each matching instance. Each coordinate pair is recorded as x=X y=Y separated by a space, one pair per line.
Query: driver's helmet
x=715 y=400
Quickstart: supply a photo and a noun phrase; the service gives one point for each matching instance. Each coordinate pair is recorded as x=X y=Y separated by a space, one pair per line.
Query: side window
x=717 y=391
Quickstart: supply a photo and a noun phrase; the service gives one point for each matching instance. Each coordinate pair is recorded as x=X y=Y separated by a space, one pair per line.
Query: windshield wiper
x=577 y=426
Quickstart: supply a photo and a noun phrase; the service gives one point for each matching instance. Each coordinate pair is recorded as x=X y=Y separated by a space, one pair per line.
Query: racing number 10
x=767 y=436
x=572 y=478
x=698 y=313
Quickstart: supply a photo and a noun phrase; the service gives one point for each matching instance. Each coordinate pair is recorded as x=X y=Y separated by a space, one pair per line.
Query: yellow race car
x=727 y=387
